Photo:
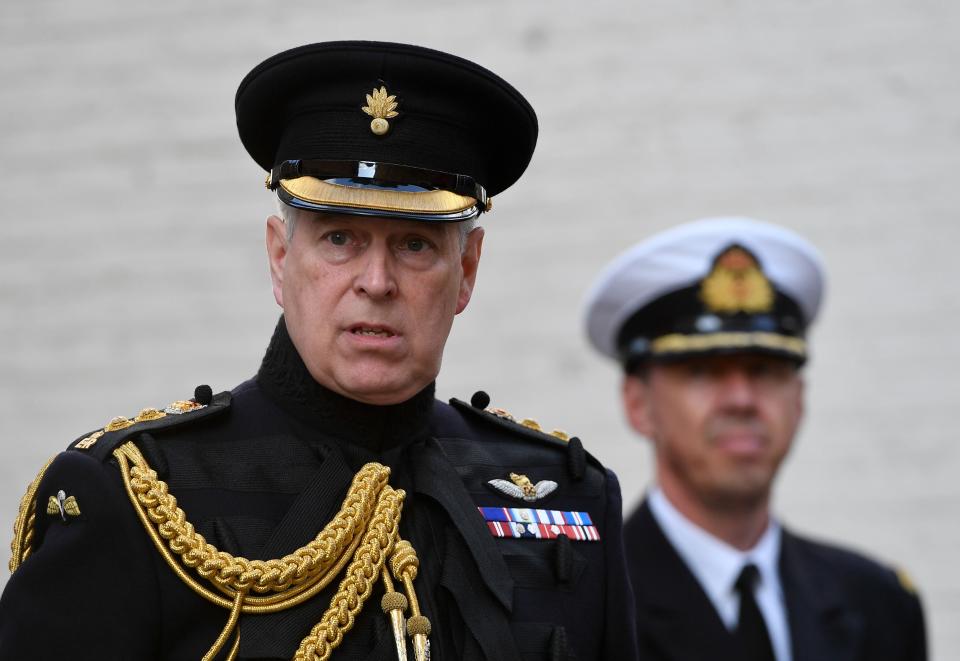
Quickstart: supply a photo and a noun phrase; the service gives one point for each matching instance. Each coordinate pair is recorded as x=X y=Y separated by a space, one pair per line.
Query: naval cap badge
x=381 y=106
x=736 y=283
x=521 y=488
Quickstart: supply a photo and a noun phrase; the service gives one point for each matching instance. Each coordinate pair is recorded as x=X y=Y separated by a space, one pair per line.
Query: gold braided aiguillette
x=22 y=544
x=364 y=533
x=405 y=565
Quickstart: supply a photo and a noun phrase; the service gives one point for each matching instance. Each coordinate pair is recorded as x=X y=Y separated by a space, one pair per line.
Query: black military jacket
x=261 y=470
x=840 y=605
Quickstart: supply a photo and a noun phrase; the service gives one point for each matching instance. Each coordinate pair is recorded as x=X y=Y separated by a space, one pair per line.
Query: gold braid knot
x=365 y=529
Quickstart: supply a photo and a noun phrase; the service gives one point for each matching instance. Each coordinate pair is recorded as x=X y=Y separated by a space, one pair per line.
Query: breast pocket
x=543 y=565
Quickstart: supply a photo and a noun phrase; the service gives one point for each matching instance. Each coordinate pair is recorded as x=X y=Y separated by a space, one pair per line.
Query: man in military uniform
x=709 y=322
x=330 y=507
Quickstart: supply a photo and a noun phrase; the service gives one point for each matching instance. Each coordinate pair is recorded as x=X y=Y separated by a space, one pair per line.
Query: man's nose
x=377 y=279
x=738 y=389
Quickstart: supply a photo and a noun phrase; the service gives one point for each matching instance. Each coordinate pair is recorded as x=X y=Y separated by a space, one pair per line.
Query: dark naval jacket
x=261 y=470
x=840 y=606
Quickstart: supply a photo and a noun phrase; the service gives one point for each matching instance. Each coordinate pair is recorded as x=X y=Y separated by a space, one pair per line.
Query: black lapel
x=437 y=478
x=675 y=618
x=822 y=626
x=271 y=635
x=472 y=561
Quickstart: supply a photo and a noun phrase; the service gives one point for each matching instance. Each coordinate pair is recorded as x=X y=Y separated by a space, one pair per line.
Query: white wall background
x=132 y=266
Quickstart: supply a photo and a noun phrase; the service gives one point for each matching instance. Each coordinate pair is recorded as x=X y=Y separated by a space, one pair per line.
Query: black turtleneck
x=284 y=379
x=287 y=439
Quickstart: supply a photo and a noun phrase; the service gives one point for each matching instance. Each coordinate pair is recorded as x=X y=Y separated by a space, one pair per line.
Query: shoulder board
x=102 y=442
x=478 y=409
x=525 y=427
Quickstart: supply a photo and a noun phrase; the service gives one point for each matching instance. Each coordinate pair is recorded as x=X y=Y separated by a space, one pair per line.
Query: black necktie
x=751 y=634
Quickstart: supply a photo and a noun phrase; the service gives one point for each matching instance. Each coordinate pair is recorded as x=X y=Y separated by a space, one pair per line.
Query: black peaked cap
x=454 y=115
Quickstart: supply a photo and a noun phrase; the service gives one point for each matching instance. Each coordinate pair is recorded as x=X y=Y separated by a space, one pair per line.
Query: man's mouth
x=372 y=331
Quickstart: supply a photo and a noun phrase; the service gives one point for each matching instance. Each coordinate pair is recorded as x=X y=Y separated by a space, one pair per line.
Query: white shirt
x=716 y=566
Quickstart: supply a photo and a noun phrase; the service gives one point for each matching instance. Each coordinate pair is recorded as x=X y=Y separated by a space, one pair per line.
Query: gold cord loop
x=364 y=533
x=227 y=630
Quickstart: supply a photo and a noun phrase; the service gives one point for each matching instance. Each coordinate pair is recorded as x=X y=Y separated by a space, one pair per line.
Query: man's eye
x=697 y=370
x=416 y=245
x=760 y=369
x=338 y=238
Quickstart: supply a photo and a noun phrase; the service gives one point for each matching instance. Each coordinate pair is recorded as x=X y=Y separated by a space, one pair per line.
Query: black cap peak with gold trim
x=384 y=129
x=719 y=285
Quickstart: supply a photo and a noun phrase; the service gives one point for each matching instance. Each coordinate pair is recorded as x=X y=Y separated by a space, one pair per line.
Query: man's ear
x=800 y=396
x=469 y=262
x=636 y=404
x=277 y=247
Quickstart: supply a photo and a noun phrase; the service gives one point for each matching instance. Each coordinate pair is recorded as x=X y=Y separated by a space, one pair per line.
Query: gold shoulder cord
x=21 y=546
x=365 y=532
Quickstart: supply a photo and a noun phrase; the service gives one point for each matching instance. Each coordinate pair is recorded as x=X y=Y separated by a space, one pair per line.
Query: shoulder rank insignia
x=101 y=442
x=539 y=524
x=522 y=488
x=63 y=505
x=180 y=407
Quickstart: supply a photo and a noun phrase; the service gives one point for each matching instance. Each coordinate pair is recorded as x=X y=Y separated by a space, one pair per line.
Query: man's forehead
x=732 y=361
x=379 y=224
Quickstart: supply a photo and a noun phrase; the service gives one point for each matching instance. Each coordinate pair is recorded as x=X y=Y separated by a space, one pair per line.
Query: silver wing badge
x=521 y=488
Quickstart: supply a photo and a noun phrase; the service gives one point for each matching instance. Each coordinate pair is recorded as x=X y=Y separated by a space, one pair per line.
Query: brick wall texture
x=131 y=244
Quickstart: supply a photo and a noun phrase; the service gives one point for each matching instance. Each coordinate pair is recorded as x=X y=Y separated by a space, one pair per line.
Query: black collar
x=284 y=378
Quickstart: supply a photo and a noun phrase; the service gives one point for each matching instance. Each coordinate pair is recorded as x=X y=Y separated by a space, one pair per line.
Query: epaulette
x=102 y=442
x=479 y=408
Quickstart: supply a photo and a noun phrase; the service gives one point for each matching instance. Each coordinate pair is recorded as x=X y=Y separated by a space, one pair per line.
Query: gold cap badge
x=736 y=284
x=381 y=107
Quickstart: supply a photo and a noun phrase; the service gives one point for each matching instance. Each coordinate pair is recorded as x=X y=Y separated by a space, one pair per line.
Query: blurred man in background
x=709 y=321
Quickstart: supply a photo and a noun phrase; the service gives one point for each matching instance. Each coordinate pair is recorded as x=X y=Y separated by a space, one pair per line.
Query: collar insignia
x=521 y=488
x=63 y=505
x=381 y=106
x=736 y=283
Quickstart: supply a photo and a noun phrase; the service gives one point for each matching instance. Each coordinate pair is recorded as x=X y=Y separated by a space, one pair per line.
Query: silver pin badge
x=521 y=488
x=63 y=505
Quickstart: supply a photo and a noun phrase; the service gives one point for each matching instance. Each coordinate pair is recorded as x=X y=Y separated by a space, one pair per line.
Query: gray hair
x=289 y=215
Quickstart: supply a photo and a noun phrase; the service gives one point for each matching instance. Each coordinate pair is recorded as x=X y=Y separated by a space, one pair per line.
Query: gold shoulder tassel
x=22 y=544
x=394 y=605
x=405 y=565
x=365 y=532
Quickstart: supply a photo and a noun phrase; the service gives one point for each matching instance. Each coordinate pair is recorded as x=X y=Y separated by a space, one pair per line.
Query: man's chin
x=381 y=391
x=746 y=494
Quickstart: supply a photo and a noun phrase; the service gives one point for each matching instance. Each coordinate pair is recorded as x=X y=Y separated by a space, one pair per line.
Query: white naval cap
x=709 y=286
